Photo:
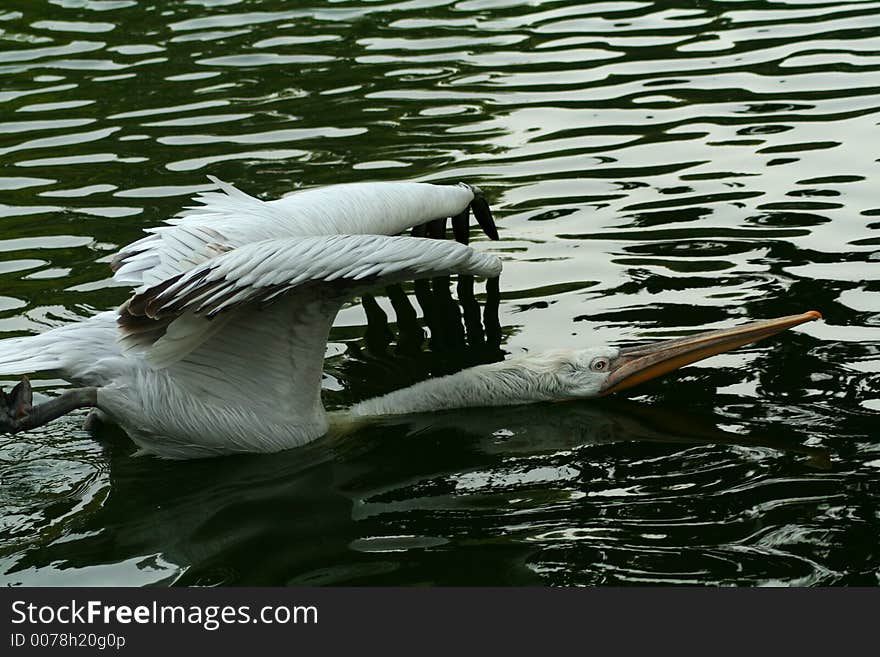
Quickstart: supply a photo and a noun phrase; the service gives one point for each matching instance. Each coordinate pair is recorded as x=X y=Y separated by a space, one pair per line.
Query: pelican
x=220 y=347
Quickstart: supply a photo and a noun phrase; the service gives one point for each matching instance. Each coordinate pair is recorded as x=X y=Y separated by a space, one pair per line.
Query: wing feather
x=264 y=271
x=229 y=219
x=248 y=273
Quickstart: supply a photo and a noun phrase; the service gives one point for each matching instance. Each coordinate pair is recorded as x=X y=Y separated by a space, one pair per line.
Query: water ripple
x=654 y=169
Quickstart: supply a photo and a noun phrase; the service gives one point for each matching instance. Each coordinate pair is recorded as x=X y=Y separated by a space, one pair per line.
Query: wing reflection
x=442 y=336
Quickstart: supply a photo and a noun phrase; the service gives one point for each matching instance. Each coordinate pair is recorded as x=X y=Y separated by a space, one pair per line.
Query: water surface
x=655 y=168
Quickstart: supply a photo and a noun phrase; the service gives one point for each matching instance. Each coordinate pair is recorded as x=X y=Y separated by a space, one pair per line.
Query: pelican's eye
x=599 y=364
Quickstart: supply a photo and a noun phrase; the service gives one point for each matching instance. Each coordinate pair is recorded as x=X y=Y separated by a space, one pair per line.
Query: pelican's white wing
x=230 y=219
x=183 y=312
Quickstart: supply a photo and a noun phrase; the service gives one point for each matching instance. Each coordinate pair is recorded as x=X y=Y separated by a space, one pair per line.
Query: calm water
x=655 y=167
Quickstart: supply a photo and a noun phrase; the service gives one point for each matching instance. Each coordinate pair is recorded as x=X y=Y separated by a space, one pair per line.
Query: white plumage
x=231 y=219
x=220 y=348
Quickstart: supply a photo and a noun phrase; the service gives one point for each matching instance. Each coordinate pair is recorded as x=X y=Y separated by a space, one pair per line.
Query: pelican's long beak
x=639 y=364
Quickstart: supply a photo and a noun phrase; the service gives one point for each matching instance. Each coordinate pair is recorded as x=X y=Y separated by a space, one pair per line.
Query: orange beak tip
x=815 y=314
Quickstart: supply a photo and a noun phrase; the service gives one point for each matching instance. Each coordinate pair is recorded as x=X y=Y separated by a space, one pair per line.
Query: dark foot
x=15 y=406
x=17 y=412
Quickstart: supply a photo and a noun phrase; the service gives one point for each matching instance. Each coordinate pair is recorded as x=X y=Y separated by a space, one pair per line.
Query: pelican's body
x=220 y=348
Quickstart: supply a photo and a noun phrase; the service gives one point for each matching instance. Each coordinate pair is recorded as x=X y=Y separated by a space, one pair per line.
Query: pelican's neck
x=497 y=384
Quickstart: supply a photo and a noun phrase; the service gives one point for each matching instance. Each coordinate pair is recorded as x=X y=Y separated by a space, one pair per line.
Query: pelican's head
x=569 y=373
x=601 y=371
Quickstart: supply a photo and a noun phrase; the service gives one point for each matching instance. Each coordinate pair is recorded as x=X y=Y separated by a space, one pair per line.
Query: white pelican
x=220 y=348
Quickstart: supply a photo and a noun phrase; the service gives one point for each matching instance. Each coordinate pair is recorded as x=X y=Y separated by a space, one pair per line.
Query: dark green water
x=655 y=167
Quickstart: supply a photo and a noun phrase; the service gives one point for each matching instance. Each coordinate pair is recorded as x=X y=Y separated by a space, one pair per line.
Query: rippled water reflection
x=655 y=167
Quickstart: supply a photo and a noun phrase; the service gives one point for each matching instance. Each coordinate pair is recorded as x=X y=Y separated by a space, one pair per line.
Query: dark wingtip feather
x=437 y=229
x=142 y=304
x=484 y=215
x=139 y=330
x=461 y=226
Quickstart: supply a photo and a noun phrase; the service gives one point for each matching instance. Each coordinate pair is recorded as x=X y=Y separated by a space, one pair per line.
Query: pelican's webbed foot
x=15 y=405
x=17 y=412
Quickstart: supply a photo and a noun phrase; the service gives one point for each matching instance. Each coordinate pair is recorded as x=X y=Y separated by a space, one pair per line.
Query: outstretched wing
x=230 y=219
x=179 y=314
